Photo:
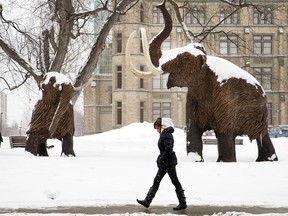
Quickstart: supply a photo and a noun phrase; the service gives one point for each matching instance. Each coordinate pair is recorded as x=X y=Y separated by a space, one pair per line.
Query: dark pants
x=172 y=174
x=171 y=170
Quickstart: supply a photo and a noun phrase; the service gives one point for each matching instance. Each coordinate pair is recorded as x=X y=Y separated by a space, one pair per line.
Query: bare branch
x=14 y=55
x=15 y=26
x=181 y=21
x=83 y=15
x=86 y=72
x=63 y=11
x=16 y=86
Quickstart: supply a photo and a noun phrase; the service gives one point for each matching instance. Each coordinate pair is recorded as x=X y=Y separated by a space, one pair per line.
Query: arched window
x=262 y=15
x=228 y=16
x=195 y=16
x=157 y=16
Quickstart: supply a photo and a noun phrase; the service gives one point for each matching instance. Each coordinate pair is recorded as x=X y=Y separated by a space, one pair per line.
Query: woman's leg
x=174 y=178
x=159 y=176
x=152 y=191
x=179 y=190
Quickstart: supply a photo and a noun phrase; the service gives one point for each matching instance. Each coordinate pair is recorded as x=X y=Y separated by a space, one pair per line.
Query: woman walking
x=166 y=163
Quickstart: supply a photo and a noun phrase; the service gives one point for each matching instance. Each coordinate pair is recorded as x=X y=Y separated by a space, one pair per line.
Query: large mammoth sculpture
x=221 y=96
x=52 y=116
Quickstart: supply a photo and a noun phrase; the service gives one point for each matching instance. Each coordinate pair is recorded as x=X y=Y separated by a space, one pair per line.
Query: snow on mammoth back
x=225 y=70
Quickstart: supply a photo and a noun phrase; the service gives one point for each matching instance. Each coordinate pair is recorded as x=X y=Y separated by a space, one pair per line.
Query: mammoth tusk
x=155 y=71
x=138 y=73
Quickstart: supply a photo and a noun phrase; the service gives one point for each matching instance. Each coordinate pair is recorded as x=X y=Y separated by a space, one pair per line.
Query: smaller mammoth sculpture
x=221 y=96
x=52 y=116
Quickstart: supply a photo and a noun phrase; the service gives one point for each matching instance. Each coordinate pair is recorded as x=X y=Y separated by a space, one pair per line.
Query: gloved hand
x=160 y=163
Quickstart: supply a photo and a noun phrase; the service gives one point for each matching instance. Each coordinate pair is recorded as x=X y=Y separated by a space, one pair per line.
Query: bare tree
x=58 y=38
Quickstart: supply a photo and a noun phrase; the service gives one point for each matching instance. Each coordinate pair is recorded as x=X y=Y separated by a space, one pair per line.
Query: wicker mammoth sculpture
x=221 y=96
x=52 y=116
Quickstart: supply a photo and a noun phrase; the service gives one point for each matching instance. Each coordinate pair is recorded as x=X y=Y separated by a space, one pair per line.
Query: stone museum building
x=254 y=38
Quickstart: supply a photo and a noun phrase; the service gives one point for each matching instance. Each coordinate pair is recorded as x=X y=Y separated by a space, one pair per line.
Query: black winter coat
x=167 y=157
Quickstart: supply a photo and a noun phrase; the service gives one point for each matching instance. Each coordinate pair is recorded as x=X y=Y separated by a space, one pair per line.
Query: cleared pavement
x=191 y=210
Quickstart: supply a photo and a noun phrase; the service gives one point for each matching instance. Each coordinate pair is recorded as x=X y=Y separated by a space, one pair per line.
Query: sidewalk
x=191 y=210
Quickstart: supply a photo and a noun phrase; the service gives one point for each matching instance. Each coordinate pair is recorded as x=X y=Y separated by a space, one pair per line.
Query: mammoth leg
x=226 y=147
x=194 y=143
x=266 y=151
x=67 y=146
x=32 y=143
x=42 y=147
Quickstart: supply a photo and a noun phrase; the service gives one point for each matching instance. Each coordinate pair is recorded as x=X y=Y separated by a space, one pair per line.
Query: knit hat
x=167 y=122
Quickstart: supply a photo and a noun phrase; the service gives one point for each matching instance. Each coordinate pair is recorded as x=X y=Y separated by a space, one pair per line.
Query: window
x=141 y=45
x=161 y=109
x=228 y=16
x=196 y=16
x=262 y=16
x=141 y=111
x=156 y=82
x=119 y=113
x=262 y=45
x=157 y=16
x=105 y=61
x=160 y=81
x=156 y=110
x=141 y=84
x=141 y=13
x=119 y=42
x=166 y=45
x=264 y=77
x=119 y=77
x=164 y=81
x=166 y=109
x=228 y=45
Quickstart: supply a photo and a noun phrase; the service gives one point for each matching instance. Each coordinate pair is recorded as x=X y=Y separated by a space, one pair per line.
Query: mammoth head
x=57 y=90
x=180 y=63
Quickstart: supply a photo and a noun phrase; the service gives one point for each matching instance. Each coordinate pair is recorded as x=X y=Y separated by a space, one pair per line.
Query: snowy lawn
x=118 y=166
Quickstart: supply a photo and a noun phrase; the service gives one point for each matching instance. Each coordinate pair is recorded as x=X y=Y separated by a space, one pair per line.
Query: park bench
x=213 y=141
x=17 y=141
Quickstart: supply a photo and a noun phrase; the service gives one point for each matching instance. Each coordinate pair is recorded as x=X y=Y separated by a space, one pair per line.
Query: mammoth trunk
x=152 y=53
x=155 y=45
x=62 y=108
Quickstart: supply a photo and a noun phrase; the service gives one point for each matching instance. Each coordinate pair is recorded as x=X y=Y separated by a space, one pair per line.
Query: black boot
x=182 y=200
x=149 y=197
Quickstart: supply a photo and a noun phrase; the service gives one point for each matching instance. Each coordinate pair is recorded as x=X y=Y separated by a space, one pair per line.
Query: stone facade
x=97 y=105
x=255 y=44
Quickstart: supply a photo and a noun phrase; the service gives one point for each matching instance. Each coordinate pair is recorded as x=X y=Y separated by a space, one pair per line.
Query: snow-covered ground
x=116 y=167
